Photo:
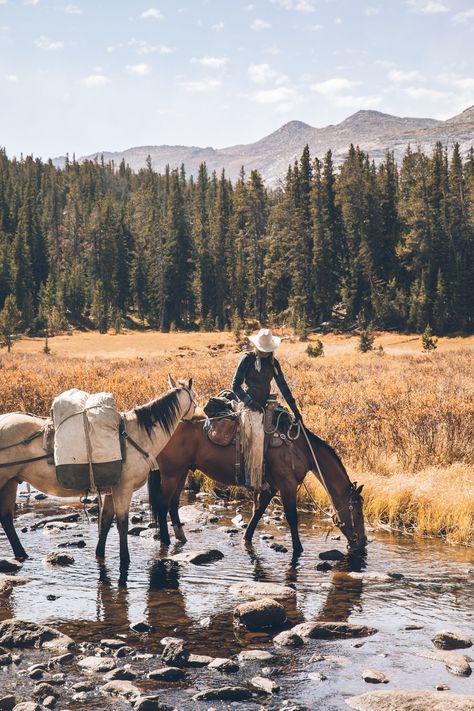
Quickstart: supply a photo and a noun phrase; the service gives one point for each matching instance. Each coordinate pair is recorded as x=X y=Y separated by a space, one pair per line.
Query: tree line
x=98 y=244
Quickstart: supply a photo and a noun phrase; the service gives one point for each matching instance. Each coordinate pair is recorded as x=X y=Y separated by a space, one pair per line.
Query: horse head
x=350 y=519
x=186 y=395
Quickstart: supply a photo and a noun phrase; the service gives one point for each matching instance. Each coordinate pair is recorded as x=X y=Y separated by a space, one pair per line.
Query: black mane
x=163 y=411
x=315 y=440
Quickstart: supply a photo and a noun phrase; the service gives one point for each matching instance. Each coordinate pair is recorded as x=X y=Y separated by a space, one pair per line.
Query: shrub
x=428 y=341
x=316 y=350
x=366 y=340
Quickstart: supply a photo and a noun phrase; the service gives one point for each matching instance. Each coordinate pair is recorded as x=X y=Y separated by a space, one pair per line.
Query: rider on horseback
x=257 y=370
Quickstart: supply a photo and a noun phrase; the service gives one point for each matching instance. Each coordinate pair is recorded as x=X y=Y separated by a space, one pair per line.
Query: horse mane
x=163 y=411
x=318 y=442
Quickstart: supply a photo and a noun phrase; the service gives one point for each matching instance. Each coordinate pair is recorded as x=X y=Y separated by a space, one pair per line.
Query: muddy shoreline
x=407 y=591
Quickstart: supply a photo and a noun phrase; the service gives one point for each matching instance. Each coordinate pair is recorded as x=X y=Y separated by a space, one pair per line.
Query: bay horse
x=285 y=469
x=147 y=430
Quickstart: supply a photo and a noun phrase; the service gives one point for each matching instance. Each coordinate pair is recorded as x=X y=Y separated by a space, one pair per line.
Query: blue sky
x=87 y=75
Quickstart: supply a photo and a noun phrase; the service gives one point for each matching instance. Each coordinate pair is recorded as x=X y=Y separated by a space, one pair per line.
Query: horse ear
x=359 y=489
x=190 y=383
x=171 y=381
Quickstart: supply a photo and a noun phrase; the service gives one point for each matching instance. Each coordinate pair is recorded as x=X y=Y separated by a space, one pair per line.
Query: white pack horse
x=148 y=429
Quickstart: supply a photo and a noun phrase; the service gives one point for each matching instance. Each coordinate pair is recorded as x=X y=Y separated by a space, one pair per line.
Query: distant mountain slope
x=374 y=131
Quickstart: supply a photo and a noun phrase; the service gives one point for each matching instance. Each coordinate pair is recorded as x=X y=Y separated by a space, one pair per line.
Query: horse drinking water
x=148 y=428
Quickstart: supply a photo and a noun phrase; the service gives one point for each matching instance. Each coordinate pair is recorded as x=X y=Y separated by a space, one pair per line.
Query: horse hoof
x=179 y=534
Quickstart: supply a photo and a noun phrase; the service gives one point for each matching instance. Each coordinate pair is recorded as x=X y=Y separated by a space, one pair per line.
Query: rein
x=5 y=465
x=27 y=440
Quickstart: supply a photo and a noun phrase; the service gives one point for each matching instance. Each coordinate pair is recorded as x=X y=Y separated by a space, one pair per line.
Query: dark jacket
x=258 y=383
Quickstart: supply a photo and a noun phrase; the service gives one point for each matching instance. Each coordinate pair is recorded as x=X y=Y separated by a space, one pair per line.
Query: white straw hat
x=265 y=341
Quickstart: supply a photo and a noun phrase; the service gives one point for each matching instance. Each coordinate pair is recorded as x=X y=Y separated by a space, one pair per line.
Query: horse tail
x=154 y=492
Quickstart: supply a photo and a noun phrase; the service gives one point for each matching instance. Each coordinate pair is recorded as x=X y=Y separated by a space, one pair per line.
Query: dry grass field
x=402 y=420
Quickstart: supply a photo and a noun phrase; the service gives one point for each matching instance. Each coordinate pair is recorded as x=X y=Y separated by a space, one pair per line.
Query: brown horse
x=189 y=449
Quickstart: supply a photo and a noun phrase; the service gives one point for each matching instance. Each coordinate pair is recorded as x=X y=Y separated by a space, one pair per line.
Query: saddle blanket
x=87 y=451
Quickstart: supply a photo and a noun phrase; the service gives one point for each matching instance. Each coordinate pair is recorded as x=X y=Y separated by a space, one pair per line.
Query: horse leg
x=121 y=500
x=106 y=517
x=260 y=503
x=288 y=497
x=174 y=512
x=7 y=508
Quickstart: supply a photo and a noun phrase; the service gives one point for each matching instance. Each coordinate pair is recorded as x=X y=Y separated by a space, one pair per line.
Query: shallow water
x=194 y=602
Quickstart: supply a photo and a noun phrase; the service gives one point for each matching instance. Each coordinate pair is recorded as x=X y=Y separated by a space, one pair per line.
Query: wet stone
x=7 y=702
x=256 y=655
x=332 y=630
x=260 y=614
x=224 y=693
x=333 y=554
x=167 y=674
x=60 y=559
x=142 y=627
x=450 y=639
x=9 y=565
x=279 y=548
x=73 y=544
x=122 y=674
x=19 y=633
x=84 y=686
x=456 y=663
x=175 y=654
x=198 y=660
x=442 y=687
x=224 y=665
x=97 y=664
x=266 y=685
x=60 y=660
x=151 y=703
x=123 y=651
x=200 y=557
x=288 y=638
x=372 y=676
x=136 y=530
x=43 y=690
x=255 y=591
x=324 y=567
x=27 y=706
x=120 y=688
x=50 y=702
x=411 y=701
x=112 y=643
x=6 y=660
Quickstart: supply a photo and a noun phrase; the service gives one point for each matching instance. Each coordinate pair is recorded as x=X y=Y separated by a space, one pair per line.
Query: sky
x=90 y=75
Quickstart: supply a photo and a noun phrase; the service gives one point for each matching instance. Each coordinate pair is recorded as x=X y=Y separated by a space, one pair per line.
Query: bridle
x=192 y=402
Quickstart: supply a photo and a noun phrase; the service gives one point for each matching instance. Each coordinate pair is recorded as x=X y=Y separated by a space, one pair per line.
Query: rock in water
x=225 y=693
x=9 y=565
x=456 y=663
x=18 y=633
x=411 y=701
x=260 y=614
x=167 y=674
x=151 y=703
x=7 y=702
x=97 y=664
x=372 y=676
x=288 y=638
x=332 y=630
x=255 y=591
x=120 y=688
x=449 y=639
x=198 y=557
x=60 y=559
x=224 y=665
x=256 y=655
x=266 y=685
x=175 y=654
x=332 y=555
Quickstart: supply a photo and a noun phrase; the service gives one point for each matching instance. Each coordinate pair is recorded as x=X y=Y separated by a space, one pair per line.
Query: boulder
x=167 y=674
x=457 y=664
x=449 y=639
x=260 y=614
x=224 y=693
x=200 y=557
x=97 y=665
x=372 y=676
x=18 y=633
x=411 y=701
x=264 y=684
x=255 y=591
x=120 y=688
x=332 y=630
x=175 y=654
x=288 y=638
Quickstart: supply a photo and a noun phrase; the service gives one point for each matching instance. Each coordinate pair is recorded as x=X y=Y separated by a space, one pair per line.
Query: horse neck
x=158 y=436
x=336 y=479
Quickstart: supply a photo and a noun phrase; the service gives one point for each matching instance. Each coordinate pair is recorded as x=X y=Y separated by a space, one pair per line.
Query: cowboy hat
x=265 y=341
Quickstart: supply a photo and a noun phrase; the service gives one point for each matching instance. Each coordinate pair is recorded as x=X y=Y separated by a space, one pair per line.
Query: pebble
x=372 y=676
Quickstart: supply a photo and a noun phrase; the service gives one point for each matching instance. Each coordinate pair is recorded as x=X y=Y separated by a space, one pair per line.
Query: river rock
x=27 y=706
x=456 y=663
x=142 y=627
x=198 y=660
x=7 y=702
x=150 y=703
x=333 y=554
x=60 y=660
x=260 y=614
x=450 y=639
x=50 y=702
x=225 y=665
x=122 y=674
x=167 y=674
x=9 y=565
x=372 y=676
x=43 y=690
x=317 y=676
x=411 y=701
x=97 y=664
x=55 y=558
x=264 y=684
x=200 y=557
x=5 y=660
x=255 y=591
x=18 y=633
x=112 y=643
x=120 y=688
x=324 y=566
x=224 y=693
x=256 y=655
x=288 y=638
x=175 y=654
x=332 y=630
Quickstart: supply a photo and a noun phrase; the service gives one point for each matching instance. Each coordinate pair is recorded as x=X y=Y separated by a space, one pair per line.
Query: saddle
x=223 y=431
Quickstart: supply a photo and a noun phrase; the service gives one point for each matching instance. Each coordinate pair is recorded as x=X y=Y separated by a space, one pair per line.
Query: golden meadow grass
x=403 y=424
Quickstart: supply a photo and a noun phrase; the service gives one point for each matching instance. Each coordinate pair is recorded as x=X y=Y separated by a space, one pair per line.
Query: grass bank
x=402 y=422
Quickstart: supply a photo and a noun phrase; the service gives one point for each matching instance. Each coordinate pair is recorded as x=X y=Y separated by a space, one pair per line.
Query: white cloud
x=334 y=86
x=73 y=10
x=3 y=2
x=141 y=47
x=140 y=70
x=272 y=50
x=427 y=7
x=357 y=102
x=338 y=21
x=31 y=2
x=461 y=18
x=248 y=8
x=398 y=76
x=270 y=97
x=372 y=11
x=453 y=80
x=95 y=80
x=217 y=26
x=201 y=87
x=47 y=44
x=152 y=14
x=261 y=73
x=298 y=5
x=212 y=62
x=13 y=78
x=315 y=28
x=259 y=25
x=429 y=94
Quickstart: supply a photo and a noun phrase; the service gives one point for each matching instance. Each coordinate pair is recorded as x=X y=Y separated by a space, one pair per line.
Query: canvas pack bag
x=87 y=451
